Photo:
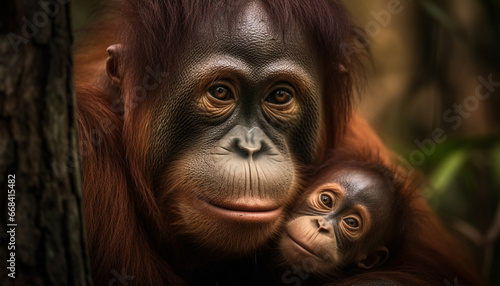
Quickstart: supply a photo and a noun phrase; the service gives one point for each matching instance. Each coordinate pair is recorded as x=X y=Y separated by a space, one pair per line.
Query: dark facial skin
x=344 y=221
x=231 y=129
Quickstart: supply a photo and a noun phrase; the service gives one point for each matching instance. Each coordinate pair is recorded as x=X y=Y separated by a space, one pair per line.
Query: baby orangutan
x=347 y=221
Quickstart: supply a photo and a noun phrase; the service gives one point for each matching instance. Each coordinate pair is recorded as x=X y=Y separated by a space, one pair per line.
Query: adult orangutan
x=196 y=119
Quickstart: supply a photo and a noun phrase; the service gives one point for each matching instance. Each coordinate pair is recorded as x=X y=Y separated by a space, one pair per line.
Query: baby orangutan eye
x=351 y=222
x=326 y=200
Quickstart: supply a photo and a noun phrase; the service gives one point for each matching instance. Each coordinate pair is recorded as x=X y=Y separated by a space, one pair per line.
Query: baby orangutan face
x=343 y=222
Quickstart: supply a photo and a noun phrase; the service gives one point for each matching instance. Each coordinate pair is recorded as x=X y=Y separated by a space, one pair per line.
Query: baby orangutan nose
x=322 y=225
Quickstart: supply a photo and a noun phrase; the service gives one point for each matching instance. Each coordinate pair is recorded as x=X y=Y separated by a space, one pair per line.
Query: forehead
x=252 y=42
x=362 y=186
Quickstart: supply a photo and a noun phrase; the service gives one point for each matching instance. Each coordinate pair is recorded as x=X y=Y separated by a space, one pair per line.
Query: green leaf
x=448 y=169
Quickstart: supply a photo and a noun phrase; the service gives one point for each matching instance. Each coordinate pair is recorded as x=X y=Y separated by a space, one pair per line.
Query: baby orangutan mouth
x=303 y=247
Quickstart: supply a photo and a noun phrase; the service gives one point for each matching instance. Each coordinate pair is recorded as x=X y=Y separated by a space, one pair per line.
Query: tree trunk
x=41 y=219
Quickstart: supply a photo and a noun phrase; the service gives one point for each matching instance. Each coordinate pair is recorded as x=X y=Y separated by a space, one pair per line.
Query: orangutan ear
x=374 y=258
x=113 y=63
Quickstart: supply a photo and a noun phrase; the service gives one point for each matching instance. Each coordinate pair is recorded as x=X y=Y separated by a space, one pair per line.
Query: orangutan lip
x=303 y=247
x=244 y=209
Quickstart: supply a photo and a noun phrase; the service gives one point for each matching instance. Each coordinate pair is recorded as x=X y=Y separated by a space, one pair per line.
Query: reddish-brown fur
x=124 y=222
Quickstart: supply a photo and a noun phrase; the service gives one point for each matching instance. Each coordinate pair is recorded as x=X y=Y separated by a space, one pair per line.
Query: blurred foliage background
x=429 y=56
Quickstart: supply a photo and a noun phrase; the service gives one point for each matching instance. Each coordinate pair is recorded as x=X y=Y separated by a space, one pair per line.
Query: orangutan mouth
x=243 y=210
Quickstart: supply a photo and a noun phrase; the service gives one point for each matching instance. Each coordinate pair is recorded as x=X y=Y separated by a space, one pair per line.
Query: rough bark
x=39 y=145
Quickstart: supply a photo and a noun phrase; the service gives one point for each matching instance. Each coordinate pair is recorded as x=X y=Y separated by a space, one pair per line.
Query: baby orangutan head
x=344 y=221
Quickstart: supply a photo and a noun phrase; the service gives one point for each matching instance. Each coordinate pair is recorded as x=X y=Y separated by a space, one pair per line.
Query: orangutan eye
x=326 y=200
x=221 y=92
x=351 y=222
x=280 y=97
